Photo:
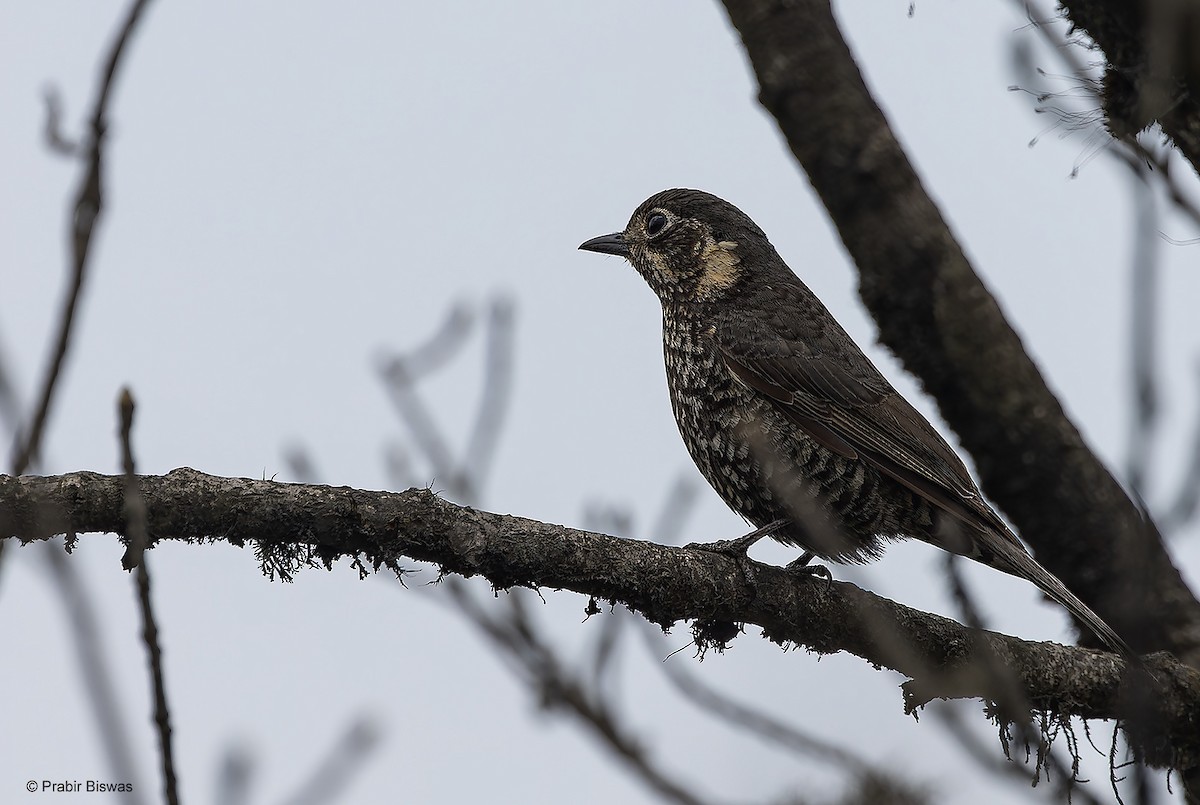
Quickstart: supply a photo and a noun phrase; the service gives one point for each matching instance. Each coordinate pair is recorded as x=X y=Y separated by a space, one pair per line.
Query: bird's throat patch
x=718 y=267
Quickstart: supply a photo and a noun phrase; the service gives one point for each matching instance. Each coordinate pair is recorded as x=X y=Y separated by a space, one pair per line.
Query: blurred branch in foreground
x=89 y=203
x=461 y=478
x=83 y=216
x=1076 y=111
x=539 y=667
x=508 y=626
x=330 y=777
x=135 y=559
x=937 y=316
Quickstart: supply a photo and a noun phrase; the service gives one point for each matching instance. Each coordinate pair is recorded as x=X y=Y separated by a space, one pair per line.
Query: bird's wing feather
x=868 y=419
x=858 y=415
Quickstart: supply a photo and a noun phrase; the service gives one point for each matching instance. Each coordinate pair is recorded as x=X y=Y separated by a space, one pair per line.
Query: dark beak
x=607 y=244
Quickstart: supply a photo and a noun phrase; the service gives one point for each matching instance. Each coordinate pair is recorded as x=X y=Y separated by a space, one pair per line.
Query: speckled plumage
x=786 y=417
x=766 y=468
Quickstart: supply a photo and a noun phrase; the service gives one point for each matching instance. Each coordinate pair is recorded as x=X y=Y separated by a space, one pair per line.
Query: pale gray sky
x=294 y=188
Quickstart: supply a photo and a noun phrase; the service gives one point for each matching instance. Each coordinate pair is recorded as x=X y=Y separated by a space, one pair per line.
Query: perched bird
x=785 y=416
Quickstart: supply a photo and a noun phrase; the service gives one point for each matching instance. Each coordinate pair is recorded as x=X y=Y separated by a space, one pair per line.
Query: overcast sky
x=295 y=189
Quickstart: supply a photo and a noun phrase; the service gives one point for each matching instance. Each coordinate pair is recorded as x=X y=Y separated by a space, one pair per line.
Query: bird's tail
x=1011 y=558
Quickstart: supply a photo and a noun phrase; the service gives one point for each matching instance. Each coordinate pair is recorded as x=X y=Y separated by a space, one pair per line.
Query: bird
x=786 y=417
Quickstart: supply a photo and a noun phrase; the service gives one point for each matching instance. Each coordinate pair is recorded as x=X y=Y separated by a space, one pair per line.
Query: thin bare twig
x=678 y=505
x=496 y=395
x=461 y=479
x=1151 y=168
x=536 y=662
x=89 y=202
x=605 y=647
x=397 y=464
x=1186 y=502
x=56 y=140
x=608 y=518
x=331 y=776
x=94 y=671
x=715 y=703
x=135 y=519
x=300 y=464
x=234 y=775
x=1143 y=301
x=400 y=374
x=97 y=678
x=400 y=385
x=439 y=348
x=1014 y=706
x=10 y=406
x=511 y=631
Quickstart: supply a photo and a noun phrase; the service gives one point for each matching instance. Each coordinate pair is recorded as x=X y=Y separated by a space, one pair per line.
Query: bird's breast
x=711 y=406
x=762 y=464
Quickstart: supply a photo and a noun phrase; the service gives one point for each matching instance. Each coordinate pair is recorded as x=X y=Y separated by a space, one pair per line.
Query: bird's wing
x=842 y=402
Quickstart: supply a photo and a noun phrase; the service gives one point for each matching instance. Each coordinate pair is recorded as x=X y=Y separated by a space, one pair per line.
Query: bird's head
x=690 y=246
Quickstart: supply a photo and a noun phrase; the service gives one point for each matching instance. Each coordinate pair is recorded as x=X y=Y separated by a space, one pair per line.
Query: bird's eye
x=655 y=224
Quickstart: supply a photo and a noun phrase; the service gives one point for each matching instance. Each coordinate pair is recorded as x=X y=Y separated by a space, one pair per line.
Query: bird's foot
x=801 y=567
x=737 y=548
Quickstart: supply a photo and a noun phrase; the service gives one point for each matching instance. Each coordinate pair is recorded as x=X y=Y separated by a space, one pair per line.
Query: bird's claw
x=735 y=548
x=801 y=567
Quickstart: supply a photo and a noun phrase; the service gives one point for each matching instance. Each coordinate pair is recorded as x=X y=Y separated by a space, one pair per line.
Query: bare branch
x=233 y=777
x=608 y=518
x=1143 y=302
x=665 y=584
x=463 y=479
x=1147 y=77
x=89 y=204
x=945 y=326
x=94 y=670
x=515 y=636
x=56 y=140
x=1012 y=704
x=398 y=466
x=676 y=508
x=444 y=344
x=1186 y=502
x=496 y=395
x=756 y=722
x=134 y=510
x=400 y=373
x=1150 y=166
x=10 y=406
x=401 y=387
x=27 y=440
x=300 y=464
x=331 y=776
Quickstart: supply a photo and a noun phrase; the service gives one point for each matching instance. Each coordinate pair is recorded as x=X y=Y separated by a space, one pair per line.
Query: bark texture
x=293 y=523
x=937 y=316
x=1153 y=65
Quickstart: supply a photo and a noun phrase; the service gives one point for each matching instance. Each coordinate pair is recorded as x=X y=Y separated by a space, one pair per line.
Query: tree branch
x=936 y=315
x=89 y=203
x=666 y=584
x=134 y=509
x=1151 y=75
